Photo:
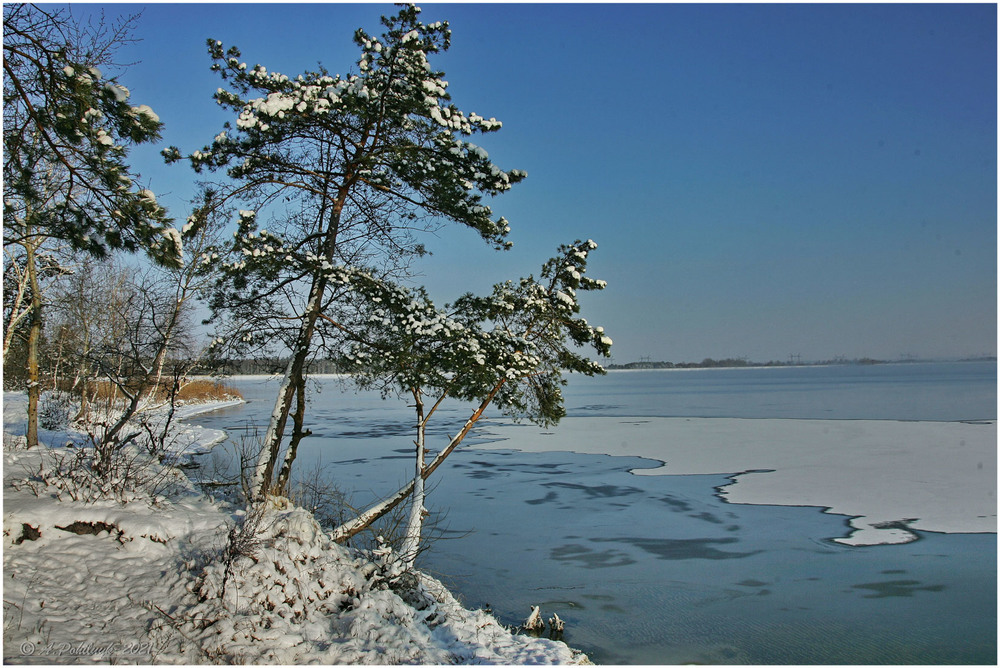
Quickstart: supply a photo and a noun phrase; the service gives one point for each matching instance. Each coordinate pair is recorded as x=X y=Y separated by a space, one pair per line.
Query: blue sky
x=763 y=180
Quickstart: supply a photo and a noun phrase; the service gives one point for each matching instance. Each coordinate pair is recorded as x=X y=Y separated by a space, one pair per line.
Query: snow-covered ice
x=887 y=476
x=145 y=585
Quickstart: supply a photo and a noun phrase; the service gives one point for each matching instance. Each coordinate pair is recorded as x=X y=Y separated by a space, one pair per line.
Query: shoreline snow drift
x=166 y=574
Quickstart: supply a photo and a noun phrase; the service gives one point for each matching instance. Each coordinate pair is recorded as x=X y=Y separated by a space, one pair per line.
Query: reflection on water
x=659 y=569
x=896 y=588
x=587 y=558
x=682 y=548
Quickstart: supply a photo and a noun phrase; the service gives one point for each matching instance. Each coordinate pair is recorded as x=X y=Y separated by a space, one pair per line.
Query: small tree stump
x=534 y=621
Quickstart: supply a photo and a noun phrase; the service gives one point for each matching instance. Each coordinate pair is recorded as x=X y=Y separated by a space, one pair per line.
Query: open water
x=659 y=569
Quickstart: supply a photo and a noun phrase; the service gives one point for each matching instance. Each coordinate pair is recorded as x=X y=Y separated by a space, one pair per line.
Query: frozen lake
x=662 y=569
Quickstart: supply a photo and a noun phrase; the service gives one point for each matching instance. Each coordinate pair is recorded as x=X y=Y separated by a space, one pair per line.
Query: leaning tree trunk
x=298 y=433
x=84 y=385
x=367 y=518
x=167 y=340
x=271 y=447
x=13 y=302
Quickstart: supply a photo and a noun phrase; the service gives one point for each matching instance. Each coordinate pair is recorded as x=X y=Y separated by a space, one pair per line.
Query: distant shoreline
x=743 y=364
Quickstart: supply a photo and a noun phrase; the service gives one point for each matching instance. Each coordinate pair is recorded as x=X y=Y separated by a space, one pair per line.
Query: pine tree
x=510 y=349
x=346 y=166
x=66 y=132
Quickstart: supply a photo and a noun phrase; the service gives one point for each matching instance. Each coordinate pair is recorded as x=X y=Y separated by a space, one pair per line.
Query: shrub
x=55 y=410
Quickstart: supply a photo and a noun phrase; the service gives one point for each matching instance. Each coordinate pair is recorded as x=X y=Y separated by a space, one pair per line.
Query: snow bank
x=155 y=579
x=193 y=439
x=887 y=476
x=300 y=598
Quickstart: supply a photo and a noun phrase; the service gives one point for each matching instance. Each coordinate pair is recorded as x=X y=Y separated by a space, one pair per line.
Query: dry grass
x=195 y=390
x=208 y=390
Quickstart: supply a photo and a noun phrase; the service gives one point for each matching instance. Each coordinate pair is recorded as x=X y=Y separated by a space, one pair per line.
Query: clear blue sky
x=763 y=180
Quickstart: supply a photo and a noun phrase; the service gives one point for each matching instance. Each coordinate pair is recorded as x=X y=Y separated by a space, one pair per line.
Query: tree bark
x=34 y=337
x=411 y=543
x=84 y=385
x=271 y=446
x=16 y=315
x=298 y=433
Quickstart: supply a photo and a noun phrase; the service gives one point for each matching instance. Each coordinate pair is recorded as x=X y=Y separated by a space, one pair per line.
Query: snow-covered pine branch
x=522 y=330
x=511 y=349
x=67 y=130
x=391 y=128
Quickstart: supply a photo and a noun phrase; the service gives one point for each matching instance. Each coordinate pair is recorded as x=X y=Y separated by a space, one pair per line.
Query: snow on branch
x=390 y=127
x=67 y=131
x=523 y=336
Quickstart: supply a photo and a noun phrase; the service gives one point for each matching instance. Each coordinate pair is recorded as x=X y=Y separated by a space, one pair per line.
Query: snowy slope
x=153 y=580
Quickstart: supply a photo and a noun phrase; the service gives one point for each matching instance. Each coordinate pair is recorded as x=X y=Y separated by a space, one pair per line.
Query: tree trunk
x=161 y=354
x=271 y=447
x=15 y=309
x=82 y=378
x=84 y=385
x=34 y=337
x=56 y=368
x=298 y=433
x=411 y=543
x=182 y=292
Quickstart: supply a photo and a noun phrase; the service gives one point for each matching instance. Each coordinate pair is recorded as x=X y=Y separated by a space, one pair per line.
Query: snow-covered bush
x=69 y=474
x=301 y=598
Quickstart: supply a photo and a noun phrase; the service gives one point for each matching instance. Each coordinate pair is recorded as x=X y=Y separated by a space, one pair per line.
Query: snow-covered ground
x=153 y=575
x=886 y=475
